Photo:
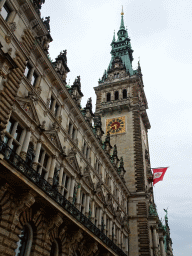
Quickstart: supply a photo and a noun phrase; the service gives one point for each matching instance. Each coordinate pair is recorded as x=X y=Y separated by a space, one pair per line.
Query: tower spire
x=122 y=26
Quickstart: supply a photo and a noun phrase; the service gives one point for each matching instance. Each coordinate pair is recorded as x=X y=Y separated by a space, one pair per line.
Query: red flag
x=158 y=174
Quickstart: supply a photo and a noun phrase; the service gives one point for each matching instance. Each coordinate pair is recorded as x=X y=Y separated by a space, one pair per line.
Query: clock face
x=115 y=125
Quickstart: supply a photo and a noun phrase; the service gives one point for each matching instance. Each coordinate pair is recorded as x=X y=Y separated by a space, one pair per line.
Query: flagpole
x=160 y=167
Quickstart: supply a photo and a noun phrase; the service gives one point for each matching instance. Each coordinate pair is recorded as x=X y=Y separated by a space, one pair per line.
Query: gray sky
x=160 y=32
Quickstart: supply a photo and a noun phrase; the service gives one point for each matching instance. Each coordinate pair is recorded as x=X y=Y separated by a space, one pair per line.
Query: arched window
x=116 y=95
x=25 y=241
x=54 y=249
x=109 y=96
x=124 y=94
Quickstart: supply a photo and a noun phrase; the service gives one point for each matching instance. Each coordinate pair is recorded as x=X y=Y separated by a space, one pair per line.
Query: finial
x=122 y=13
x=114 y=36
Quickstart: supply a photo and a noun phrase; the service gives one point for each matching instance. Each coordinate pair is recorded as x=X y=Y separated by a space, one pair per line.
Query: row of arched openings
x=116 y=95
x=25 y=242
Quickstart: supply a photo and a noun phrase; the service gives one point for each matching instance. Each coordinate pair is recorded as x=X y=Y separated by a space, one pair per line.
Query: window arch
x=108 y=96
x=124 y=94
x=25 y=241
x=54 y=249
x=116 y=95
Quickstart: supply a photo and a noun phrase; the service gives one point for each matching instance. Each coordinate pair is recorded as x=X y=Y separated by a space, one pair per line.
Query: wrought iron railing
x=22 y=166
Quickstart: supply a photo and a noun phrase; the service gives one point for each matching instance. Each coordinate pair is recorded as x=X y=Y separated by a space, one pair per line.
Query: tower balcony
x=114 y=105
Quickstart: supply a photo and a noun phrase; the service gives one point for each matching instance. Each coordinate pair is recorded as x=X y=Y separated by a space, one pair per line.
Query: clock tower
x=122 y=105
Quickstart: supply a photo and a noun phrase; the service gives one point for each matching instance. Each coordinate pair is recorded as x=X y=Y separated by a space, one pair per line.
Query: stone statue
x=46 y=23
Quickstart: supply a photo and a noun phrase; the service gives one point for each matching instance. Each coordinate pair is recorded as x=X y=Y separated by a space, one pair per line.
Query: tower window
x=116 y=95
x=124 y=94
x=109 y=96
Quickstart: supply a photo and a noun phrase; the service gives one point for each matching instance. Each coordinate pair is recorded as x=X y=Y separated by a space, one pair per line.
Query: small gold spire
x=122 y=13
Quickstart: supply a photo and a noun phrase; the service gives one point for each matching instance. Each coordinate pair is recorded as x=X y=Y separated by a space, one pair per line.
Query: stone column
x=71 y=189
x=38 y=81
x=105 y=222
x=38 y=148
x=126 y=245
x=31 y=74
x=12 y=134
x=25 y=144
x=92 y=210
x=23 y=134
x=48 y=165
x=151 y=240
x=119 y=238
x=162 y=247
x=110 y=229
x=53 y=105
x=155 y=245
x=87 y=206
x=100 y=217
x=61 y=177
x=41 y=162
x=78 y=203
x=11 y=16
x=68 y=188
x=58 y=111
x=114 y=233
x=52 y=170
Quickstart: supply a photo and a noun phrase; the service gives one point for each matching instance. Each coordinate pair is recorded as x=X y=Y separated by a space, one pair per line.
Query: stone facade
x=63 y=189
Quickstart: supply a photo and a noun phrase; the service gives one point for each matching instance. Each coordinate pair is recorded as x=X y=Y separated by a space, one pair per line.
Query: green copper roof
x=122 y=47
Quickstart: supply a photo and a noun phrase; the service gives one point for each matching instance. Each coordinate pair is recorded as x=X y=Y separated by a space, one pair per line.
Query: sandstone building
x=72 y=182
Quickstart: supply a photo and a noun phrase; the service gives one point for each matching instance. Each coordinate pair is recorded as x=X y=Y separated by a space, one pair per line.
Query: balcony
x=115 y=105
x=21 y=166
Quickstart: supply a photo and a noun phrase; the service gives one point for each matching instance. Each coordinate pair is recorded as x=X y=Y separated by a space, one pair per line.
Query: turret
x=75 y=91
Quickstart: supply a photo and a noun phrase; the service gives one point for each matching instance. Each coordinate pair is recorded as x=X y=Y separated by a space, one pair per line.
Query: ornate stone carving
x=21 y=205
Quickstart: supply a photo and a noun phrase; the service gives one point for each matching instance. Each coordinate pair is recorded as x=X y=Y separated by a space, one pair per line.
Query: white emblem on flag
x=157 y=175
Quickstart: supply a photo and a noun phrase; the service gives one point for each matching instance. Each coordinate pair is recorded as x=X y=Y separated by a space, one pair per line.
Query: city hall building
x=72 y=181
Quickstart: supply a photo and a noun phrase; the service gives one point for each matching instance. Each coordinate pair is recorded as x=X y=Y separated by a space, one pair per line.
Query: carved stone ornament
x=13 y=26
x=8 y=39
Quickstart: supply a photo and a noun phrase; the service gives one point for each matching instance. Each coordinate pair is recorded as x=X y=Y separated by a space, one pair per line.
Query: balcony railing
x=18 y=163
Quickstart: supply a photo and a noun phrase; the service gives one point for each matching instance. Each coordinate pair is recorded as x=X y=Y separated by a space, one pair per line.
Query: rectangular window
x=56 y=108
x=82 y=202
x=34 y=79
x=27 y=70
x=18 y=133
x=73 y=133
x=66 y=186
x=43 y=174
x=10 y=125
x=51 y=102
x=14 y=146
x=5 y=139
x=5 y=11
x=87 y=152
x=45 y=160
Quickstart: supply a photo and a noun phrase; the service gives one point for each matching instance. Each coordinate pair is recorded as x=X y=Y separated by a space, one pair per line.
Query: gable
x=53 y=137
x=99 y=192
x=27 y=105
x=87 y=178
x=72 y=160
